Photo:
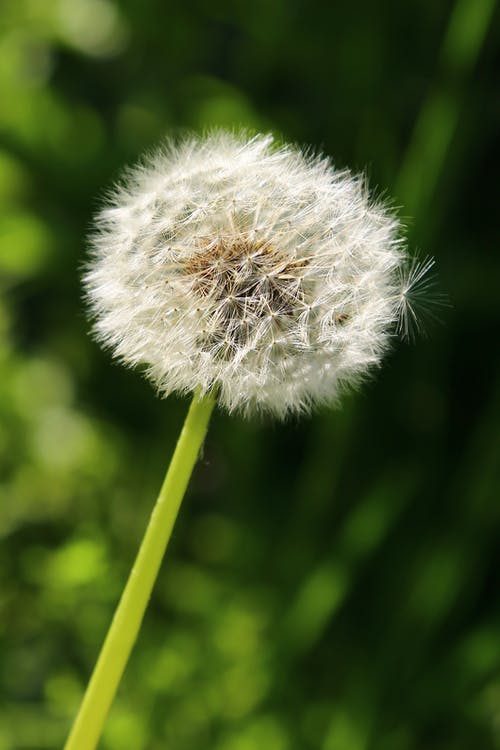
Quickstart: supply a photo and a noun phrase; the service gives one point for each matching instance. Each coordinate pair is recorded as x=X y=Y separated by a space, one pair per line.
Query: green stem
x=124 y=628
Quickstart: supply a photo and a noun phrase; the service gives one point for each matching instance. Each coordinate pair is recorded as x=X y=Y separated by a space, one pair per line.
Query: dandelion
x=247 y=273
x=250 y=269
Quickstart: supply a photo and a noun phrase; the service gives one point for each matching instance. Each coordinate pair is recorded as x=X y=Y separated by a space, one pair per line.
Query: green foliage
x=332 y=584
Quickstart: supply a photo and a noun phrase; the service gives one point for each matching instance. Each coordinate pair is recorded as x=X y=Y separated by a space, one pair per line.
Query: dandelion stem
x=124 y=628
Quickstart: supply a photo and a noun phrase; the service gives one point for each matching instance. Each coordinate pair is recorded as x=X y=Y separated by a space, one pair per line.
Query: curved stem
x=124 y=628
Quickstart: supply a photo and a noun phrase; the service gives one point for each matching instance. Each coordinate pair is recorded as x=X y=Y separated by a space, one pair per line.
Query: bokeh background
x=333 y=582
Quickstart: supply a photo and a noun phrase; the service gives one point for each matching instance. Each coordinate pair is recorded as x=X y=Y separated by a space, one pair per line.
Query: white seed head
x=231 y=263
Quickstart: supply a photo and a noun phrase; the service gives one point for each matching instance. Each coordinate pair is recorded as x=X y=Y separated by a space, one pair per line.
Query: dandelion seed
x=235 y=264
x=419 y=298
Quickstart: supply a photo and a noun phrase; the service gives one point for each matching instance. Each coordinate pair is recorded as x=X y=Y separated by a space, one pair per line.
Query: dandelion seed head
x=231 y=263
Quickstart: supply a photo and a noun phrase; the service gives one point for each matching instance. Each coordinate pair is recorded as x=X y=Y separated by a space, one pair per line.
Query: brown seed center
x=247 y=272
x=249 y=282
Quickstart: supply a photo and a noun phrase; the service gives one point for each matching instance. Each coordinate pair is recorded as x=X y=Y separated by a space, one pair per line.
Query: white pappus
x=228 y=262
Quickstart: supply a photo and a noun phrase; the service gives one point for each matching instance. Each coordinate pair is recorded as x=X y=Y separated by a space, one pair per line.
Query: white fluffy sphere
x=230 y=263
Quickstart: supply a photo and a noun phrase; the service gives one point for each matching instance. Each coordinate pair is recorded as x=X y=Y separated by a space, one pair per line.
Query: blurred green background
x=332 y=583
